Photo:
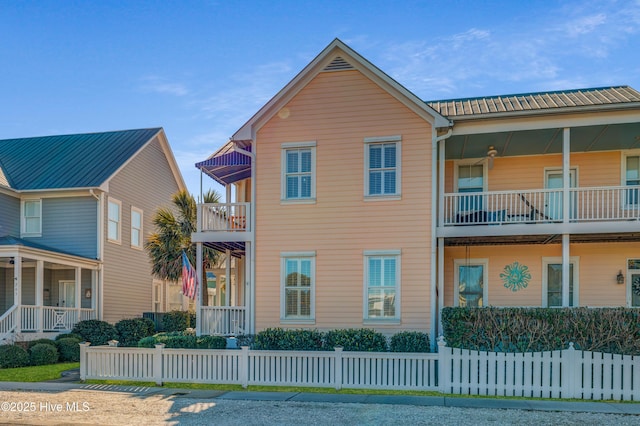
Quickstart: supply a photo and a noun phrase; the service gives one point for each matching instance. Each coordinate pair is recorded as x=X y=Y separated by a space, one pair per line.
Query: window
x=298 y=167
x=632 y=178
x=31 y=218
x=471 y=278
x=470 y=178
x=382 y=166
x=382 y=285
x=552 y=294
x=114 y=221
x=136 y=227
x=298 y=287
x=633 y=283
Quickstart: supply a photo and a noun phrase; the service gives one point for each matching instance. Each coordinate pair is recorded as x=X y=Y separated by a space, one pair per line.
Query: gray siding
x=9 y=215
x=70 y=224
x=146 y=183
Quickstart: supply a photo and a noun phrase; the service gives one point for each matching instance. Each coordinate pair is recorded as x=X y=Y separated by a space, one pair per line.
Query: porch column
x=78 y=289
x=565 y=270
x=441 y=166
x=17 y=288
x=227 y=301
x=440 y=290
x=566 y=172
x=39 y=295
x=200 y=289
x=94 y=293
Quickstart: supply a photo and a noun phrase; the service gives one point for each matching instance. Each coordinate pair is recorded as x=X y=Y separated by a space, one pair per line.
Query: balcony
x=224 y=226
x=590 y=210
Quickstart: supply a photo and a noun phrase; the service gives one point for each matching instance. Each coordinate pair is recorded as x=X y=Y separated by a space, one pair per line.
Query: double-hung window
x=298 y=171
x=31 y=218
x=382 y=285
x=114 y=220
x=470 y=286
x=298 y=287
x=136 y=227
x=632 y=178
x=382 y=166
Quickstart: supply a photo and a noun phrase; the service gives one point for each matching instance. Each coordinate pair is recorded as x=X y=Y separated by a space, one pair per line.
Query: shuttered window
x=298 y=286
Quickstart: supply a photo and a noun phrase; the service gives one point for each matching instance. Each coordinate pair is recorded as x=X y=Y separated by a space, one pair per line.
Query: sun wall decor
x=515 y=276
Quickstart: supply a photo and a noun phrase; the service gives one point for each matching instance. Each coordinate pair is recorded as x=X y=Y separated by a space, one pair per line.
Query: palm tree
x=174 y=227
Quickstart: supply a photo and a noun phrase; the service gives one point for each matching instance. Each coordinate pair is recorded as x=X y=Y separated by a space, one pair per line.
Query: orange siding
x=338 y=110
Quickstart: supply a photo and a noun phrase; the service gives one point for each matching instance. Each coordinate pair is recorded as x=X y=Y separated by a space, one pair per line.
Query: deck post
x=244 y=366
x=84 y=360
x=338 y=379
x=157 y=363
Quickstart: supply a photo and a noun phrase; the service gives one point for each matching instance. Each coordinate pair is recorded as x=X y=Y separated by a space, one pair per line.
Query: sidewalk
x=70 y=381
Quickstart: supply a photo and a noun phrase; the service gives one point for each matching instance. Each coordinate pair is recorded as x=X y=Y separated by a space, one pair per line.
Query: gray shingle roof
x=68 y=161
x=469 y=107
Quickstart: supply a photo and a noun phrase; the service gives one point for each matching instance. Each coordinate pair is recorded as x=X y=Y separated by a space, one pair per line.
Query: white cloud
x=162 y=85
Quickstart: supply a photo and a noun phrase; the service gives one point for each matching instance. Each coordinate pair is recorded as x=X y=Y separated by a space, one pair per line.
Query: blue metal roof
x=226 y=165
x=9 y=240
x=68 y=161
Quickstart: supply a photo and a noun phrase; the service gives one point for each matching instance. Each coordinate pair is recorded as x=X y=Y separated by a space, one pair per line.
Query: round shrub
x=32 y=343
x=68 y=336
x=43 y=354
x=69 y=349
x=95 y=331
x=179 y=342
x=12 y=356
x=147 y=342
x=357 y=340
x=211 y=342
x=130 y=331
x=288 y=340
x=410 y=341
x=176 y=321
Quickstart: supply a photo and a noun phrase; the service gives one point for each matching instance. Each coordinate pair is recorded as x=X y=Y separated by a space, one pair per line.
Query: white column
x=79 y=294
x=17 y=288
x=441 y=166
x=440 y=286
x=228 y=278
x=200 y=289
x=566 y=173
x=565 y=270
x=39 y=294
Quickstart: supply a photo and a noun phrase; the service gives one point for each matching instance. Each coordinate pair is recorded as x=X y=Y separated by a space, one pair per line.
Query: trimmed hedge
x=69 y=335
x=177 y=321
x=12 y=356
x=130 y=331
x=360 y=340
x=32 y=343
x=611 y=330
x=43 y=354
x=181 y=340
x=69 y=349
x=95 y=331
x=288 y=340
x=410 y=341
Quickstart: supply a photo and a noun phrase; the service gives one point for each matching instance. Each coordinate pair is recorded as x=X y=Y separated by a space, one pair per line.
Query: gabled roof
x=68 y=161
x=536 y=102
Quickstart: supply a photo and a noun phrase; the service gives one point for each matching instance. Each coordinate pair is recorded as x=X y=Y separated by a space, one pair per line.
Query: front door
x=553 y=280
x=553 y=200
x=67 y=294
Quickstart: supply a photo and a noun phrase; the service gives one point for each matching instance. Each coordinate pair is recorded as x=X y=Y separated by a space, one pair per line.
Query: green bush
x=32 y=343
x=130 y=331
x=611 y=330
x=147 y=342
x=177 y=321
x=288 y=340
x=68 y=336
x=12 y=356
x=43 y=354
x=410 y=341
x=69 y=349
x=182 y=340
x=245 y=340
x=211 y=342
x=362 y=340
x=95 y=331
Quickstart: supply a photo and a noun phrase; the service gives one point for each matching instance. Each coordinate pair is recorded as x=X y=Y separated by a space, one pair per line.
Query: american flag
x=189 y=279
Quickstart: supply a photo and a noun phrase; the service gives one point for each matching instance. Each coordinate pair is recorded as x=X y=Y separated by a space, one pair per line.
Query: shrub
x=32 y=343
x=245 y=340
x=363 y=339
x=130 y=331
x=69 y=349
x=43 y=354
x=410 y=341
x=288 y=340
x=69 y=336
x=176 y=321
x=147 y=342
x=211 y=342
x=12 y=356
x=95 y=331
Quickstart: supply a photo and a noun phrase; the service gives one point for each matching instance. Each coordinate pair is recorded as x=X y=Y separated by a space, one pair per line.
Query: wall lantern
x=620 y=278
x=87 y=293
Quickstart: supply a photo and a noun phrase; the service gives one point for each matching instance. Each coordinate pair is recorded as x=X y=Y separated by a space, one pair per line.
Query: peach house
x=353 y=203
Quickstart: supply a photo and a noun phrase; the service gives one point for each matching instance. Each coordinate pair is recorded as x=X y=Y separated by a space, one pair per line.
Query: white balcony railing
x=542 y=206
x=231 y=217
x=223 y=320
x=52 y=318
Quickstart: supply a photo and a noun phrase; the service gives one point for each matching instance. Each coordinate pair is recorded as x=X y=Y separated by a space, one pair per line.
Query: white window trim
x=367 y=254
x=471 y=162
x=284 y=147
x=137 y=210
x=397 y=140
x=628 y=282
x=119 y=203
x=23 y=222
x=623 y=174
x=158 y=284
x=485 y=278
x=312 y=314
x=546 y=261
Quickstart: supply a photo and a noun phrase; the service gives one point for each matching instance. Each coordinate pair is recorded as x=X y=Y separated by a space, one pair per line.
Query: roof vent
x=338 y=64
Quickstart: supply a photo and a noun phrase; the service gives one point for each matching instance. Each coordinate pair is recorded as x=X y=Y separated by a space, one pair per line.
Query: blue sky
x=201 y=69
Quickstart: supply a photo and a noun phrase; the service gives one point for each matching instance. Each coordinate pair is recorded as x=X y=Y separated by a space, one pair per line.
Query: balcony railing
x=231 y=217
x=52 y=318
x=223 y=320
x=595 y=204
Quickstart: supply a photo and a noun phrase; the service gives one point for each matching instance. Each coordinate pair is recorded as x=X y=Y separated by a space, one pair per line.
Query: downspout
x=252 y=251
x=435 y=219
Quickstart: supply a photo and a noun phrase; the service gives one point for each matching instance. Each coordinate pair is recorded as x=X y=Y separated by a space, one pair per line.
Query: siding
x=338 y=110
x=9 y=215
x=146 y=183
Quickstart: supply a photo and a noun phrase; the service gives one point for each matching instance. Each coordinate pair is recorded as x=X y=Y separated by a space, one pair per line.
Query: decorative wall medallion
x=515 y=276
x=635 y=285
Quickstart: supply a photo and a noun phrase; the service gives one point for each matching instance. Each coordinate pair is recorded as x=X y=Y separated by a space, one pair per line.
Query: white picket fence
x=559 y=374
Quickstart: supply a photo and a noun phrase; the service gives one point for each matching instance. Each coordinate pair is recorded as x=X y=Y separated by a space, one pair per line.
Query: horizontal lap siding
x=338 y=110
x=70 y=224
x=9 y=215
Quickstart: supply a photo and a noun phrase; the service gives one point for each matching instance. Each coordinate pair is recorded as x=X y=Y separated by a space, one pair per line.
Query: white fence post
x=84 y=360
x=338 y=367
x=444 y=372
x=572 y=372
x=244 y=366
x=157 y=363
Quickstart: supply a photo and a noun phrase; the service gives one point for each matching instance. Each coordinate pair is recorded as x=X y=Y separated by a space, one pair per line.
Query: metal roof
x=9 y=240
x=227 y=165
x=531 y=102
x=68 y=161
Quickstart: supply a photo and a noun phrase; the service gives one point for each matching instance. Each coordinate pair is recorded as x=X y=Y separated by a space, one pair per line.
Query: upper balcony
x=223 y=223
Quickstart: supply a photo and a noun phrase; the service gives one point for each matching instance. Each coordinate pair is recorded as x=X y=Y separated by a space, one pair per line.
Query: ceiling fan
x=491 y=154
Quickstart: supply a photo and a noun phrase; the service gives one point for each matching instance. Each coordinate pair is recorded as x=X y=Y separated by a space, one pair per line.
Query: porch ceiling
x=541 y=239
x=544 y=141
x=237 y=248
